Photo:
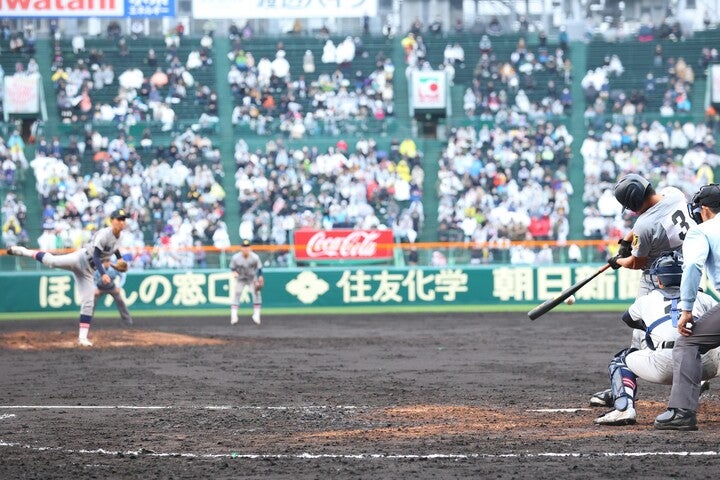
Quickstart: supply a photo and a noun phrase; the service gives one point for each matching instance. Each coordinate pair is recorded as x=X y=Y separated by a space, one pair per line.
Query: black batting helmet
x=632 y=190
x=668 y=268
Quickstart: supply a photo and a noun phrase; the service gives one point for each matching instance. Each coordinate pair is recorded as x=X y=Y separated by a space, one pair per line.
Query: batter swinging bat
x=543 y=308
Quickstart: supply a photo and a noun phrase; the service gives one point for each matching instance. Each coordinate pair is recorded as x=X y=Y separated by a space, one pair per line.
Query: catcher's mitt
x=259 y=284
x=121 y=265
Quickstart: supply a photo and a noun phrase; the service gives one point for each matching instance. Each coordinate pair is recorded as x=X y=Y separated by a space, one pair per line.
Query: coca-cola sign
x=343 y=244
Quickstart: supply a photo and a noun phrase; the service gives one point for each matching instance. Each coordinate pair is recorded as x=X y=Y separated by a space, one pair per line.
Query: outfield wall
x=356 y=286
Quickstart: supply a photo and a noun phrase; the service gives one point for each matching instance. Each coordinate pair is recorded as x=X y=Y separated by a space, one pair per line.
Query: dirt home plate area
x=438 y=395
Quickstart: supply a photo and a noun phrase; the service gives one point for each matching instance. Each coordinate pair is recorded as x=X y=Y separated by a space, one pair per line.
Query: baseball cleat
x=127 y=321
x=602 y=399
x=233 y=320
x=256 y=318
x=676 y=419
x=84 y=342
x=704 y=386
x=618 y=417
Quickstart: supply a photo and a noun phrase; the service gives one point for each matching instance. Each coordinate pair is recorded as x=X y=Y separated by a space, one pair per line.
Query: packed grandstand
x=210 y=137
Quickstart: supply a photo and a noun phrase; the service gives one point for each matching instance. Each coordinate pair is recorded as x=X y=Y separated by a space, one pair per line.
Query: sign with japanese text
x=429 y=89
x=87 y=8
x=150 y=8
x=328 y=287
x=283 y=8
x=343 y=244
x=21 y=93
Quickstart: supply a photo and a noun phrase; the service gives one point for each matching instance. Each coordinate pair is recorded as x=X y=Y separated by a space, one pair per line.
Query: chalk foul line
x=358 y=456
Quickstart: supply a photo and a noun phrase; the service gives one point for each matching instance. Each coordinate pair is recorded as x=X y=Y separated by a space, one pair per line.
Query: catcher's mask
x=668 y=268
x=707 y=196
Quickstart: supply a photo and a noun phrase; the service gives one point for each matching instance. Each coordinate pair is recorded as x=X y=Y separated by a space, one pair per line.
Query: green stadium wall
x=493 y=288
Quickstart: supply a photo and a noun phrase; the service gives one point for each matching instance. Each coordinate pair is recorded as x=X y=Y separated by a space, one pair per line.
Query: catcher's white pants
x=657 y=365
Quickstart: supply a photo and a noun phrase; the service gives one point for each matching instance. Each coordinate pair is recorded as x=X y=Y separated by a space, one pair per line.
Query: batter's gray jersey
x=659 y=229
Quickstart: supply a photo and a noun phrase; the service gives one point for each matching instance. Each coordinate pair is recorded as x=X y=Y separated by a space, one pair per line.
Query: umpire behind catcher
x=700 y=249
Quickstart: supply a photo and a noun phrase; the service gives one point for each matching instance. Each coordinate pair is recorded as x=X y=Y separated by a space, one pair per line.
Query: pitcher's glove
x=121 y=266
x=259 y=284
x=625 y=249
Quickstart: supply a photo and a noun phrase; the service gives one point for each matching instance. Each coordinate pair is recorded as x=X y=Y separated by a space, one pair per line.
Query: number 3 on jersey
x=681 y=223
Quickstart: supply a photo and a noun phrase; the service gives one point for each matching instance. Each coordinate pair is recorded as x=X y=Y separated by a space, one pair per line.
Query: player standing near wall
x=247 y=269
x=82 y=263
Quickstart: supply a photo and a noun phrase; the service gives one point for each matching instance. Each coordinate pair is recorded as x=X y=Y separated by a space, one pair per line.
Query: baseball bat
x=548 y=305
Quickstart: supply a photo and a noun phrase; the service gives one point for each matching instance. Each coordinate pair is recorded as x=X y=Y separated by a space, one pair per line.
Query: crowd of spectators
x=88 y=88
x=664 y=89
x=281 y=189
x=527 y=81
x=14 y=219
x=675 y=154
x=504 y=184
x=329 y=96
x=502 y=180
x=176 y=199
x=532 y=81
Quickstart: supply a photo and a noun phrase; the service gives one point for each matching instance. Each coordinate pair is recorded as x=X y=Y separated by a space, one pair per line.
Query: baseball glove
x=259 y=284
x=121 y=266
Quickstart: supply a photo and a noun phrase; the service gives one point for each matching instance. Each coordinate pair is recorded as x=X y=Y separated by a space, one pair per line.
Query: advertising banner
x=429 y=90
x=150 y=8
x=61 y=8
x=328 y=287
x=283 y=9
x=343 y=244
x=21 y=94
x=87 y=8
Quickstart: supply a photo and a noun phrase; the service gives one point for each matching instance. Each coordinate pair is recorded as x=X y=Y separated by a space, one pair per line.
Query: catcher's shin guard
x=622 y=381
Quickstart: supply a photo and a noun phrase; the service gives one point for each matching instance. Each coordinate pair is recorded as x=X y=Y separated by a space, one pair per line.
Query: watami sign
x=343 y=244
x=62 y=8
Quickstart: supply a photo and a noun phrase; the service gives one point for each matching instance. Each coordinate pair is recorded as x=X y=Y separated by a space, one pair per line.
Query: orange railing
x=456 y=252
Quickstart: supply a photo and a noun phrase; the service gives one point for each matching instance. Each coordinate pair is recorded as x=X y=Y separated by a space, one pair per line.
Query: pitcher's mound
x=27 y=340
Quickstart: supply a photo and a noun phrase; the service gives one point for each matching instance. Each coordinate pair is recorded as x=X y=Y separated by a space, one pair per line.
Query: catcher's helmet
x=668 y=268
x=708 y=196
x=631 y=191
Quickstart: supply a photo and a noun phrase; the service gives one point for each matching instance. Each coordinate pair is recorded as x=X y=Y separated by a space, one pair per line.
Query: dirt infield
x=386 y=396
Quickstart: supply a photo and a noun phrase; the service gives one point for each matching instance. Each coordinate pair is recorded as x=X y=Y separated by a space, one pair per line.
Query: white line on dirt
x=6 y=415
x=81 y=407
x=559 y=410
x=358 y=456
x=168 y=407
